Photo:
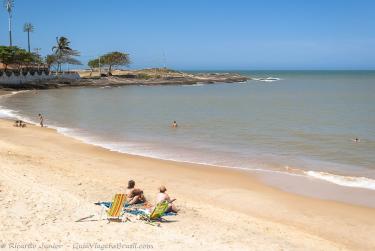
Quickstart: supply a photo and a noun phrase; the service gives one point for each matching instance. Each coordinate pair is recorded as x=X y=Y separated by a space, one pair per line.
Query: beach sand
x=49 y=183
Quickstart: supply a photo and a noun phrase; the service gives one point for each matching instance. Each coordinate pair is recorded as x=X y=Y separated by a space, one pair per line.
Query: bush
x=144 y=76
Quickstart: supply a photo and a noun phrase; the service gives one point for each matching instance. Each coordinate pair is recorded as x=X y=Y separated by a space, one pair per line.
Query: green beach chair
x=157 y=213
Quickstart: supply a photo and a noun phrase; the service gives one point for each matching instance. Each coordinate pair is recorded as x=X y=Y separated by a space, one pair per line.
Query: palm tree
x=28 y=27
x=9 y=4
x=63 y=52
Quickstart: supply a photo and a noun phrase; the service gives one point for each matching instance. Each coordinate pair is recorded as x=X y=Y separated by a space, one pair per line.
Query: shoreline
x=199 y=189
x=289 y=181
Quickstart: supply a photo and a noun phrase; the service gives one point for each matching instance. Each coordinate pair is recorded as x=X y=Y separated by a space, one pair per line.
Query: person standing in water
x=174 y=124
x=41 y=120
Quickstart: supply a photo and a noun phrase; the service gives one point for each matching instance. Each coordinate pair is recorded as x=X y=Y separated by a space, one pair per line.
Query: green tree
x=7 y=55
x=115 y=59
x=28 y=27
x=64 y=54
x=94 y=63
x=16 y=56
x=23 y=58
x=50 y=61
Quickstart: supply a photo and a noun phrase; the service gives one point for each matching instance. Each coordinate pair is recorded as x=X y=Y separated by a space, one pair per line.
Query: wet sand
x=48 y=182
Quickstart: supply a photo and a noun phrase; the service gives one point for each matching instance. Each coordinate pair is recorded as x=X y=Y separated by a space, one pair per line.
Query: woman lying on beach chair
x=134 y=195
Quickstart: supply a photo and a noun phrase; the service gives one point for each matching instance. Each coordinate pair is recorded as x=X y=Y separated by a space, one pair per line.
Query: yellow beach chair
x=115 y=212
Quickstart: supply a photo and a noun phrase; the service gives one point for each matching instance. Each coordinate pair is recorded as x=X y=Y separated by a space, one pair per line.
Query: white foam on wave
x=348 y=181
x=194 y=85
x=268 y=79
x=144 y=151
x=139 y=150
x=8 y=113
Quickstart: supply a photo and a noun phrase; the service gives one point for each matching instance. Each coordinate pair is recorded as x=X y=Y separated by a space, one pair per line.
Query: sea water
x=297 y=122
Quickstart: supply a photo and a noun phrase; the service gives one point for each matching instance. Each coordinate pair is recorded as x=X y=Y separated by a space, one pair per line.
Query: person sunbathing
x=134 y=195
x=163 y=196
x=19 y=123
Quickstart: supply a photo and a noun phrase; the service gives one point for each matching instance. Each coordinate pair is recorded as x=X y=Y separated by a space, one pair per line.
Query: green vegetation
x=144 y=76
x=16 y=59
x=94 y=63
x=111 y=59
x=50 y=60
x=63 y=53
x=28 y=27
x=16 y=56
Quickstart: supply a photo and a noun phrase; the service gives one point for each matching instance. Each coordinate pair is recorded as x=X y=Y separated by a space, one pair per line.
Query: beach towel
x=138 y=211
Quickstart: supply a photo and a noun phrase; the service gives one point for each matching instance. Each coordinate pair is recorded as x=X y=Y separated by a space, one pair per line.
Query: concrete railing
x=14 y=79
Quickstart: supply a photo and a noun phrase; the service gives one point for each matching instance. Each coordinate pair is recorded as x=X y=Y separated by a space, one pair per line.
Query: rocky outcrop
x=177 y=78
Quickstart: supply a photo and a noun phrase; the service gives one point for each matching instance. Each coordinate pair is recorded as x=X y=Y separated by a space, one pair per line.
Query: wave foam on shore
x=129 y=148
x=348 y=181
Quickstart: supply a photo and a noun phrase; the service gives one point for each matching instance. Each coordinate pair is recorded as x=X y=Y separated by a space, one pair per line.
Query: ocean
x=294 y=122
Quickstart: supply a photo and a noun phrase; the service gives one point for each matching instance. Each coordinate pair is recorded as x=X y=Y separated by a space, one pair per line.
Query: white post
x=100 y=70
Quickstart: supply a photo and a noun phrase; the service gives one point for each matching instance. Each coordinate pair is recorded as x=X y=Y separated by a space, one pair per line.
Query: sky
x=205 y=34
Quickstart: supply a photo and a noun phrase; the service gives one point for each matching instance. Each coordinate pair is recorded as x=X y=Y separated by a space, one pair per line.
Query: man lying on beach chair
x=116 y=208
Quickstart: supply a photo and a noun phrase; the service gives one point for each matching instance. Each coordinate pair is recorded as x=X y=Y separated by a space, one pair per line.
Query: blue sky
x=247 y=35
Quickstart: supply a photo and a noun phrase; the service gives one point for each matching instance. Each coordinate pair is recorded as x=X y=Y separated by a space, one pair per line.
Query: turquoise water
x=300 y=121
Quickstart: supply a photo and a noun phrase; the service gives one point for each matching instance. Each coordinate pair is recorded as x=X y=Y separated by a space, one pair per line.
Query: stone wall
x=12 y=78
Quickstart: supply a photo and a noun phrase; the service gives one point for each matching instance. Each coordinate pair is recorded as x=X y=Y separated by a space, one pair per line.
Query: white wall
x=21 y=79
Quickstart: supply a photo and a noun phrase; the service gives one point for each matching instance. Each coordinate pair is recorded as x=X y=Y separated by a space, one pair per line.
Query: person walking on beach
x=41 y=120
x=174 y=124
x=163 y=196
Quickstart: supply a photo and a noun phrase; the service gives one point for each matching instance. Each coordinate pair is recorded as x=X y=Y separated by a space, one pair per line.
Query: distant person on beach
x=41 y=119
x=134 y=195
x=356 y=140
x=19 y=123
x=174 y=124
x=163 y=196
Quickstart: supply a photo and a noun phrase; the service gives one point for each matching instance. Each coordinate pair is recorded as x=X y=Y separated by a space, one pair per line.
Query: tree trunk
x=10 y=30
x=28 y=40
x=110 y=70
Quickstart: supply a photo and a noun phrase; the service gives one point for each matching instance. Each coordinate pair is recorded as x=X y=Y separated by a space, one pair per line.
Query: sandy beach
x=49 y=183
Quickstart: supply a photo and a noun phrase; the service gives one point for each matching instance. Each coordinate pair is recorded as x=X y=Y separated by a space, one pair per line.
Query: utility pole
x=37 y=50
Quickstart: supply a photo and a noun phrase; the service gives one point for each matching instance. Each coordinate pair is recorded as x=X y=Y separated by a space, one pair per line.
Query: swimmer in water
x=174 y=124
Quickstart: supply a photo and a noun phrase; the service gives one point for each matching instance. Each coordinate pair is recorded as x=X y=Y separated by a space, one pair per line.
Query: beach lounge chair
x=157 y=213
x=116 y=209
